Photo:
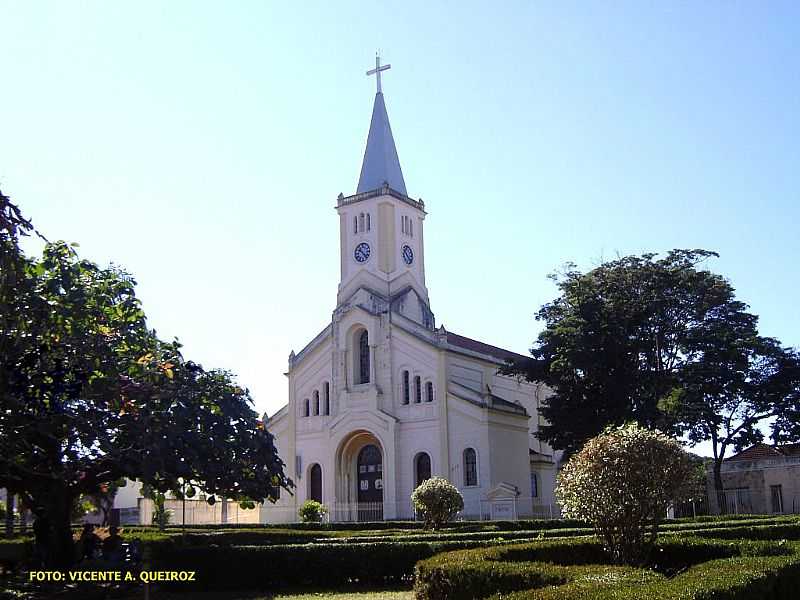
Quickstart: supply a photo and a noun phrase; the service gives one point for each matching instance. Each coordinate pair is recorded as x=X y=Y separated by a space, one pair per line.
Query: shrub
x=682 y=568
x=312 y=511
x=325 y=565
x=438 y=501
x=622 y=482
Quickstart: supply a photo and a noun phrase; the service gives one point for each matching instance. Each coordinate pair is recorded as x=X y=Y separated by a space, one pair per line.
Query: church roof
x=381 y=164
x=466 y=343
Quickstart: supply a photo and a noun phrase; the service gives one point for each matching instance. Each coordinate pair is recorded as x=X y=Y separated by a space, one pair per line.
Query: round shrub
x=312 y=511
x=437 y=501
x=622 y=482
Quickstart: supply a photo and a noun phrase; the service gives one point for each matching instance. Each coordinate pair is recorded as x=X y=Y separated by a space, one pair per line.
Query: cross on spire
x=377 y=70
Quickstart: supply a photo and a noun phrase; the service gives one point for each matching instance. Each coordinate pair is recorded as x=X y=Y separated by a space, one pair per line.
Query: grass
x=374 y=595
x=304 y=595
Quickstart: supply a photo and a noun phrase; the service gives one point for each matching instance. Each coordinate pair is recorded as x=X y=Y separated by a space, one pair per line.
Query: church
x=382 y=399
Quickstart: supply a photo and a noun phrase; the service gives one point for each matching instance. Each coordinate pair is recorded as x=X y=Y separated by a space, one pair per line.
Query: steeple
x=381 y=164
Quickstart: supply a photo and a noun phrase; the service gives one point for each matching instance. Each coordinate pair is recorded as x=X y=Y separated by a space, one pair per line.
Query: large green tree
x=89 y=394
x=738 y=382
x=660 y=341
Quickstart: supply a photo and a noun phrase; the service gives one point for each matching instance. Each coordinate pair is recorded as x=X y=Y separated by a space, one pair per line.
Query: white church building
x=382 y=399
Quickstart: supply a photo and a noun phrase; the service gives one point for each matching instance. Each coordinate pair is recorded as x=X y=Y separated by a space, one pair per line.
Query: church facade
x=382 y=399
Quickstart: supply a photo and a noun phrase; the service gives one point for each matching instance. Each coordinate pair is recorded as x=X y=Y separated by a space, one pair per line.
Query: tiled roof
x=481 y=348
x=759 y=451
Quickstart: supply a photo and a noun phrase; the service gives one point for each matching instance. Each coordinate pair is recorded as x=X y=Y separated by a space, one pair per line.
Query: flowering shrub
x=312 y=511
x=437 y=501
x=622 y=482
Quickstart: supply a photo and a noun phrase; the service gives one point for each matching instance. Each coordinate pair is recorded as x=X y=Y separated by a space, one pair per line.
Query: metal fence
x=693 y=507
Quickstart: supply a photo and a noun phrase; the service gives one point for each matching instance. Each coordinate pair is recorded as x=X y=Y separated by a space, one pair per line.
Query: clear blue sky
x=202 y=147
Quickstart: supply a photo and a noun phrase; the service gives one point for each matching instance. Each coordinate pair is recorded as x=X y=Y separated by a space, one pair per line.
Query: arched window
x=361 y=222
x=368 y=224
x=403 y=223
x=534 y=486
x=355 y=224
x=306 y=408
x=326 y=390
x=315 y=483
x=429 y=392
x=422 y=468
x=363 y=357
x=316 y=402
x=411 y=228
x=417 y=390
x=470 y=467
x=406 y=388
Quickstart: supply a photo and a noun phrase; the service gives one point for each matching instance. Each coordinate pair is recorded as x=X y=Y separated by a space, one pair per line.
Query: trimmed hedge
x=381 y=525
x=739 y=578
x=321 y=565
x=15 y=551
x=780 y=531
x=569 y=570
x=272 y=536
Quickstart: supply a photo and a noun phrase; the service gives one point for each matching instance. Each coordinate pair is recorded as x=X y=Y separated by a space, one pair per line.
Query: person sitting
x=112 y=545
x=90 y=543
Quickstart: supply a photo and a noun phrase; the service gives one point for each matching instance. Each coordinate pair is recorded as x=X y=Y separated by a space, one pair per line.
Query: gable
x=412 y=306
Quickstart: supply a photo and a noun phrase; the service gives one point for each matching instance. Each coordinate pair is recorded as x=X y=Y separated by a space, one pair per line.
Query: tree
x=622 y=482
x=312 y=511
x=739 y=381
x=103 y=499
x=437 y=501
x=633 y=340
x=89 y=394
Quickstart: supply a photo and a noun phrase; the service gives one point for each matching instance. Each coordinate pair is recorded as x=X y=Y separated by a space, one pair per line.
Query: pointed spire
x=381 y=164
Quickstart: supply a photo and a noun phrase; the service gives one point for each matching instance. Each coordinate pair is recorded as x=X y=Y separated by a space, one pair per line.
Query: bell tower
x=381 y=226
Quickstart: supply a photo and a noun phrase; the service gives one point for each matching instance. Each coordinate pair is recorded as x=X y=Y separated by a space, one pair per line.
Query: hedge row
x=780 y=531
x=320 y=565
x=15 y=551
x=569 y=570
x=743 y=578
x=258 y=537
x=464 y=526
x=381 y=525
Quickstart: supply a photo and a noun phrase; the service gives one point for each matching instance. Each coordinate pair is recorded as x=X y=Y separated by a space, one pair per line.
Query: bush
x=685 y=568
x=437 y=501
x=622 y=482
x=312 y=511
x=325 y=565
x=15 y=552
x=779 y=531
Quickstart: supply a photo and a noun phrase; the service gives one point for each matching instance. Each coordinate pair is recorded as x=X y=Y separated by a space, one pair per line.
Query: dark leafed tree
x=659 y=341
x=89 y=394
x=738 y=382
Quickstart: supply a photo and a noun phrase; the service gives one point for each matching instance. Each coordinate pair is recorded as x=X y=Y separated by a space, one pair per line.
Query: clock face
x=408 y=255
x=361 y=253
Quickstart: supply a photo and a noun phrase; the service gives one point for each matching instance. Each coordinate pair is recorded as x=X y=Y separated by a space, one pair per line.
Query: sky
x=202 y=146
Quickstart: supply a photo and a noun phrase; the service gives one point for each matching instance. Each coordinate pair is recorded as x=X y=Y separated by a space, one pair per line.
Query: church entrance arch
x=360 y=478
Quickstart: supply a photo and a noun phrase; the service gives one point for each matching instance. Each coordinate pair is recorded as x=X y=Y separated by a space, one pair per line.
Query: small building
x=761 y=479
